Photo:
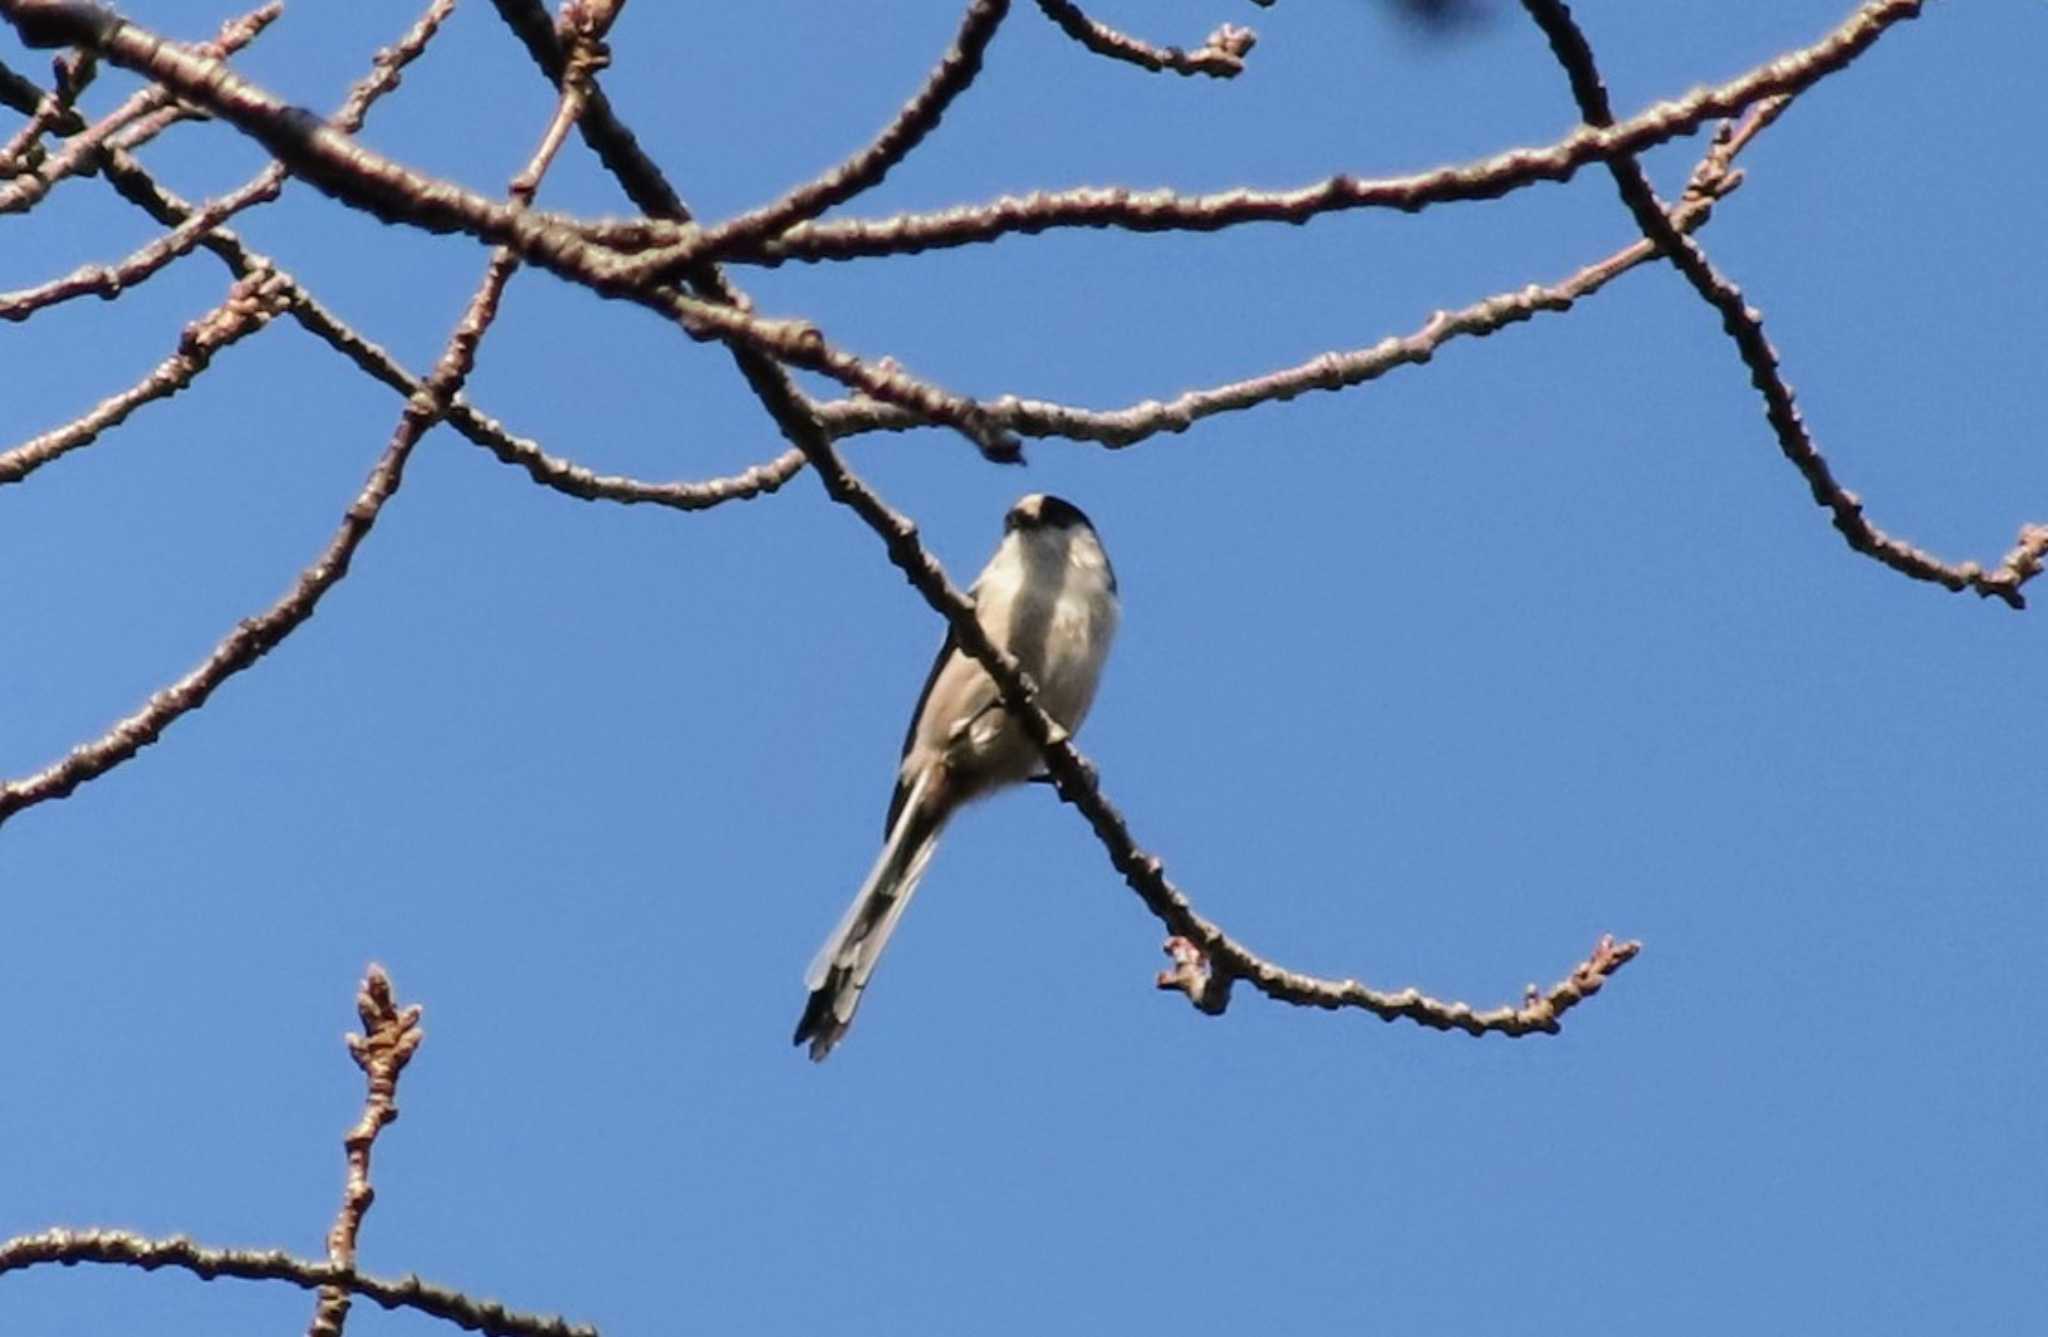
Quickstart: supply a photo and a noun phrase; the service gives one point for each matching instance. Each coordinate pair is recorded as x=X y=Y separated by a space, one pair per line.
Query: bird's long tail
x=840 y=971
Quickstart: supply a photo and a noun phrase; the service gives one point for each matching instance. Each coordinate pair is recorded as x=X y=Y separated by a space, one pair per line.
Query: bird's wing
x=896 y=799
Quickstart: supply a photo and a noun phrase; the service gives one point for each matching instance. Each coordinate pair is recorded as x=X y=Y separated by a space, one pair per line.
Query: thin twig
x=550 y=471
x=575 y=480
x=600 y=126
x=1221 y=55
x=251 y=304
x=390 y=1037
x=68 y=1248
x=1204 y=972
x=145 y=128
x=865 y=169
x=109 y=281
x=1745 y=326
x=28 y=189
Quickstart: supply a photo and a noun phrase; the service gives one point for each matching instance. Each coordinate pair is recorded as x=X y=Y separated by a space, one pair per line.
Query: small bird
x=1048 y=597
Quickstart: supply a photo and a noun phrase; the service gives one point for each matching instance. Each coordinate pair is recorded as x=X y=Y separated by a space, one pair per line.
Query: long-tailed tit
x=1048 y=597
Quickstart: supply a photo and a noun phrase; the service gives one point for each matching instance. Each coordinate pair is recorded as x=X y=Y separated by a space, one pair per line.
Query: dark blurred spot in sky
x=1442 y=18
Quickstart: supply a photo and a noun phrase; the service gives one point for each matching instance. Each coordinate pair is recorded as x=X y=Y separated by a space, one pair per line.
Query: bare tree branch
x=68 y=1248
x=331 y=160
x=1712 y=180
x=251 y=639
x=26 y=97
x=390 y=1037
x=1745 y=326
x=920 y=116
x=572 y=479
x=645 y=184
x=194 y=227
x=53 y=111
x=232 y=321
x=191 y=229
x=258 y=636
x=251 y=305
x=601 y=128
x=1165 y=210
x=637 y=174
x=1221 y=56
x=550 y=471
x=135 y=184
x=1206 y=979
x=668 y=263
x=1207 y=960
x=81 y=153
x=369 y=181
x=1119 y=428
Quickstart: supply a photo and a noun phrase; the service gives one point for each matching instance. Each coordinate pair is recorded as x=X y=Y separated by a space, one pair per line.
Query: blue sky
x=1431 y=682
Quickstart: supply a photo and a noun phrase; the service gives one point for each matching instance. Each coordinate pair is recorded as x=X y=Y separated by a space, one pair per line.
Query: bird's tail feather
x=840 y=971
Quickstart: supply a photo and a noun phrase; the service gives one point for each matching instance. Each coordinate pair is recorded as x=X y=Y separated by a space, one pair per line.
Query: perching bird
x=1048 y=597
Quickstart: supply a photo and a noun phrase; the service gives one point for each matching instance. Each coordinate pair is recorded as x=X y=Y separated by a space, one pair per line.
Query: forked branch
x=1745 y=325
